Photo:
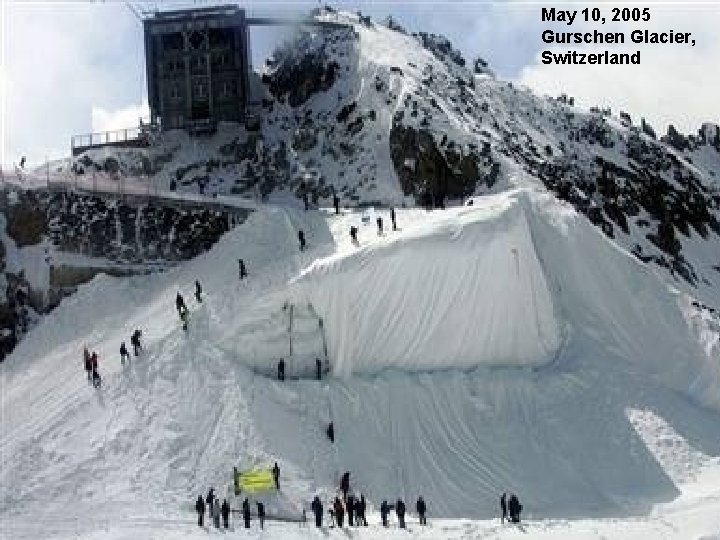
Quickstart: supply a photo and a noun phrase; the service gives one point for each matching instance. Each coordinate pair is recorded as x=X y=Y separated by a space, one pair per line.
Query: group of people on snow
x=91 y=368
x=215 y=510
x=379 y=223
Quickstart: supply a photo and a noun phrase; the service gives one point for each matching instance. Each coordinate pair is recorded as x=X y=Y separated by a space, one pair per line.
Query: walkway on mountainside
x=131 y=189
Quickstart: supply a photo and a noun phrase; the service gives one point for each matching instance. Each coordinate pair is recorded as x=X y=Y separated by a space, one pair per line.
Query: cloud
x=674 y=84
x=126 y=117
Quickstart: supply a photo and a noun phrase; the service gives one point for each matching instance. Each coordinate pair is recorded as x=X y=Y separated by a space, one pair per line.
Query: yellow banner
x=255 y=480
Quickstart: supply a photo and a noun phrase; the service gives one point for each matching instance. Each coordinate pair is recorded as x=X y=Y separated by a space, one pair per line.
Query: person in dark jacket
x=276 y=475
x=180 y=305
x=392 y=218
x=360 y=517
x=209 y=499
x=261 y=513
x=353 y=235
x=379 y=225
x=216 y=512
x=281 y=370
x=318 y=368
x=345 y=484
x=243 y=271
x=339 y=512
x=358 y=512
x=225 y=511
x=317 y=509
x=331 y=432
x=200 y=509
x=420 y=507
x=88 y=364
x=514 y=509
x=503 y=507
x=246 y=513
x=198 y=291
x=135 y=340
x=384 y=511
x=336 y=203
x=124 y=353
x=350 y=505
x=301 y=239
x=400 y=511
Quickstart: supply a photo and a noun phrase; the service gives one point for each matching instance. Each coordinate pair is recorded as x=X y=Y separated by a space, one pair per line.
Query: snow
x=607 y=334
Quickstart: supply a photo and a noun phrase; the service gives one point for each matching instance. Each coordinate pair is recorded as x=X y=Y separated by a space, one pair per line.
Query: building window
x=200 y=90
x=227 y=90
x=197 y=40
x=175 y=92
x=172 y=42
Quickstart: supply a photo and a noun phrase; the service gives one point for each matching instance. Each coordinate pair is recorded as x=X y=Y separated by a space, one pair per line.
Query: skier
x=350 y=505
x=198 y=291
x=318 y=368
x=514 y=509
x=421 y=510
x=200 y=509
x=209 y=499
x=400 y=511
x=243 y=272
x=88 y=364
x=331 y=432
x=225 y=510
x=180 y=305
x=216 y=512
x=360 y=511
x=301 y=239
x=317 y=509
x=276 y=475
x=339 y=512
x=503 y=507
x=246 y=513
x=135 y=340
x=281 y=370
x=345 y=484
x=392 y=218
x=384 y=511
x=379 y=225
x=336 y=203
x=261 y=513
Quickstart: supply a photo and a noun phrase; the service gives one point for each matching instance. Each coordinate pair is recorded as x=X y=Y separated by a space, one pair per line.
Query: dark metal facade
x=197 y=63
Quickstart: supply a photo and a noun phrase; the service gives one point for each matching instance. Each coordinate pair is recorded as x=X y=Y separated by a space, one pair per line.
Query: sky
x=74 y=67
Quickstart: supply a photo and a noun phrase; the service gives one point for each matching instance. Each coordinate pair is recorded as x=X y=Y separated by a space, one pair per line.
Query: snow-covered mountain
x=553 y=336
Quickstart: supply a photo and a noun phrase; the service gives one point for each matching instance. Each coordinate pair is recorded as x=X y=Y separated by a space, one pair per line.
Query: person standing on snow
x=503 y=507
x=360 y=518
x=200 y=509
x=180 y=305
x=339 y=512
x=379 y=225
x=392 y=218
x=345 y=484
x=261 y=513
x=88 y=364
x=225 y=511
x=209 y=500
x=281 y=370
x=384 y=511
x=243 y=272
x=124 y=353
x=350 y=505
x=420 y=507
x=216 y=512
x=276 y=475
x=135 y=340
x=514 y=509
x=317 y=509
x=301 y=239
x=400 y=511
x=318 y=368
x=96 y=379
x=331 y=432
x=198 y=291
x=246 y=513
x=353 y=235
x=336 y=203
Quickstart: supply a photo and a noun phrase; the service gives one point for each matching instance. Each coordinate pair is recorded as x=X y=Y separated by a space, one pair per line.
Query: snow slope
x=544 y=414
